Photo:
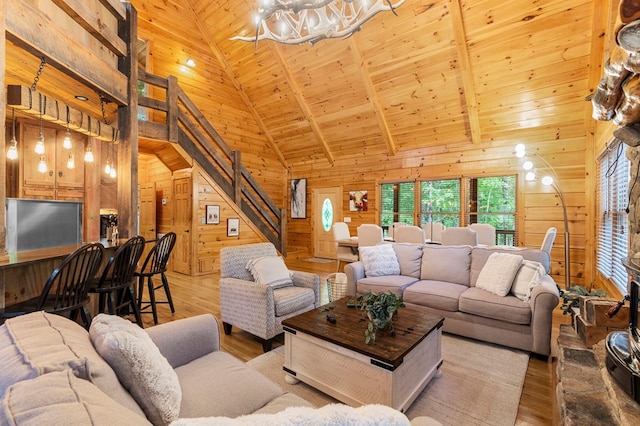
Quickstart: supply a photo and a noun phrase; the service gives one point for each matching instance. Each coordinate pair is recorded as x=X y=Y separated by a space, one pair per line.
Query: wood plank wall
x=539 y=207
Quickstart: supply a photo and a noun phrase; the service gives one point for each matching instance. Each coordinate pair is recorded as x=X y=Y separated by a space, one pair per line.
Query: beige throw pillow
x=496 y=276
x=270 y=270
x=139 y=365
x=526 y=279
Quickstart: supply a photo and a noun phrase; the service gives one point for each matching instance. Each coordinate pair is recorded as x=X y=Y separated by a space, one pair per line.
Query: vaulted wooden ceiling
x=445 y=71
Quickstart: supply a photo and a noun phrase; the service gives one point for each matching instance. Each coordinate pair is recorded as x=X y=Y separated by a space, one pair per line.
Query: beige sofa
x=442 y=280
x=53 y=373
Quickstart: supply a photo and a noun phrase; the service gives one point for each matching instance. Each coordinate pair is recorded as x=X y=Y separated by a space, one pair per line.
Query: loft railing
x=171 y=116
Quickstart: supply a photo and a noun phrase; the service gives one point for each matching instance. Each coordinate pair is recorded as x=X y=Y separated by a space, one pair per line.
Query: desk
x=23 y=274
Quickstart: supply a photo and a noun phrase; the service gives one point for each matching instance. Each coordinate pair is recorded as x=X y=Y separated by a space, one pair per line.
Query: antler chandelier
x=301 y=21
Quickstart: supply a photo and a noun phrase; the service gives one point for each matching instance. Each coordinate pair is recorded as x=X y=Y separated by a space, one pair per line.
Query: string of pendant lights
x=67 y=142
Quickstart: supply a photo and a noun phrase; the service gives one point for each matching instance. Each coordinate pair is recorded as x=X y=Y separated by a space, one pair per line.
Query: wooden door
x=326 y=208
x=148 y=211
x=182 y=198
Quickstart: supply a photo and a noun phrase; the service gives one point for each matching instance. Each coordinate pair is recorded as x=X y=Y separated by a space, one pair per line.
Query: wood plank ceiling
x=445 y=71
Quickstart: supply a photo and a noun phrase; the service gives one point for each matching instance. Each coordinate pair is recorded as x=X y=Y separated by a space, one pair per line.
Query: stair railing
x=176 y=119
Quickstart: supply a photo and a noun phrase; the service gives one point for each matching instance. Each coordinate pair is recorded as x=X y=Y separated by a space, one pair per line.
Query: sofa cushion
x=446 y=263
x=292 y=299
x=379 y=260
x=409 y=258
x=394 y=283
x=61 y=398
x=498 y=273
x=435 y=294
x=508 y=308
x=526 y=279
x=270 y=270
x=139 y=365
x=39 y=343
x=479 y=256
x=331 y=414
x=218 y=384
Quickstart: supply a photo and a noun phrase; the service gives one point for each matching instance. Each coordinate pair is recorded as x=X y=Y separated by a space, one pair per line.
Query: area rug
x=480 y=383
x=319 y=260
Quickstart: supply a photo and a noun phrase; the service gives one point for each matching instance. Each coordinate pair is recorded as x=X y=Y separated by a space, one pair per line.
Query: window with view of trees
x=492 y=200
x=440 y=202
x=489 y=200
x=397 y=203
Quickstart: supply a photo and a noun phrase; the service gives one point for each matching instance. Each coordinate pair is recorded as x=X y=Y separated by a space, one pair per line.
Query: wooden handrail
x=187 y=125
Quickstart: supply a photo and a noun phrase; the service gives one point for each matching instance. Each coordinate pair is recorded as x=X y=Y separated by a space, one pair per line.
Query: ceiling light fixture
x=301 y=21
x=191 y=62
x=81 y=98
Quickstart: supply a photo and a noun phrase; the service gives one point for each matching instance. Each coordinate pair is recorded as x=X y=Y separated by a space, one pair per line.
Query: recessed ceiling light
x=191 y=62
x=81 y=98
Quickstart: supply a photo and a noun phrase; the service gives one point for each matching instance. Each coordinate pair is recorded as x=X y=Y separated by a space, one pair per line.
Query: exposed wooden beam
x=373 y=98
x=27 y=101
x=3 y=116
x=217 y=52
x=302 y=103
x=116 y=7
x=466 y=71
x=88 y=20
x=33 y=31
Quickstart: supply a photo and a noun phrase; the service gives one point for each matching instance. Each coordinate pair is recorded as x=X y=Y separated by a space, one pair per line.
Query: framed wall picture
x=358 y=201
x=233 y=227
x=298 y=198
x=213 y=214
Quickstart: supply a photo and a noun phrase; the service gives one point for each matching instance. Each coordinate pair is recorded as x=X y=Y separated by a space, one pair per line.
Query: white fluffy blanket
x=332 y=414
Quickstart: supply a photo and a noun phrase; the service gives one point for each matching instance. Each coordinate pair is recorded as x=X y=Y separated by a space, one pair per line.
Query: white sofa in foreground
x=508 y=300
x=55 y=372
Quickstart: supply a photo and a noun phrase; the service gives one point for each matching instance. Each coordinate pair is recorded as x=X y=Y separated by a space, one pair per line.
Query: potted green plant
x=571 y=297
x=380 y=308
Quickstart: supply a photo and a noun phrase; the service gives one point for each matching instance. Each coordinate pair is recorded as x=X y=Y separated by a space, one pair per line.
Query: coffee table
x=333 y=358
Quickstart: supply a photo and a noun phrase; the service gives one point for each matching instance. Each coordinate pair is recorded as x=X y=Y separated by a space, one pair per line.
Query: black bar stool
x=155 y=264
x=114 y=288
x=66 y=291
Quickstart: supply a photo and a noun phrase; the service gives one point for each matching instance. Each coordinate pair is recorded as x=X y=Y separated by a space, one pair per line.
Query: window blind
x=613 y=224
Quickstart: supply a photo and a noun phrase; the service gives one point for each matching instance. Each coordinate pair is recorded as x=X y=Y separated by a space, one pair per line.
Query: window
x=613 y=236
x=492 y=200
x=397 y=203
x=440 y=202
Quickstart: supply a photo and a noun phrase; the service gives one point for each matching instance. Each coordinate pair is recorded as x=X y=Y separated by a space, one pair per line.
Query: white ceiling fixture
x=301 y=21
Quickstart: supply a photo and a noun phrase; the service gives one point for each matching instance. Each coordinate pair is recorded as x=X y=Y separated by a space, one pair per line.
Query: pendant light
x=107 y=167
x=71 y=163
x=88 y=155
x=66 y=143
x=40 y=142
x=42 y=165
x=12 y=153
x=112 y=172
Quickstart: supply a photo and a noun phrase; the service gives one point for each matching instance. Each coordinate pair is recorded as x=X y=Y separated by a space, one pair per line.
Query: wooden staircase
x=186 y=125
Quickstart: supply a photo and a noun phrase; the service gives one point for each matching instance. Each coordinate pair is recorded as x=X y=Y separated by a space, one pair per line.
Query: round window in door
x=327 y=214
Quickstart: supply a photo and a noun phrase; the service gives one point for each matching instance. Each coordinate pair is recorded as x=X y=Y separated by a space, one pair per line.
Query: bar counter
x=23 y=274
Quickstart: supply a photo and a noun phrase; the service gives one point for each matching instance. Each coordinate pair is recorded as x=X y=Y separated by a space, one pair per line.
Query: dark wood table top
x=411 y=326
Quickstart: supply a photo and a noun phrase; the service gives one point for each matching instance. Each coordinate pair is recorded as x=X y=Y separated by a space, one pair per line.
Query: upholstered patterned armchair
x=260 y=308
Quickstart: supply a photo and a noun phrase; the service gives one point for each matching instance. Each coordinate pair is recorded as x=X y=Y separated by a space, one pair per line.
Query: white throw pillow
x=526 y=279
x=496 y=276
x=139 y=365
x=379 y=260
x=270 y=270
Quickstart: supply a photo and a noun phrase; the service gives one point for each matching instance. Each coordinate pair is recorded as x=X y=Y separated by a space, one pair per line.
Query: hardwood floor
x=197 y=295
